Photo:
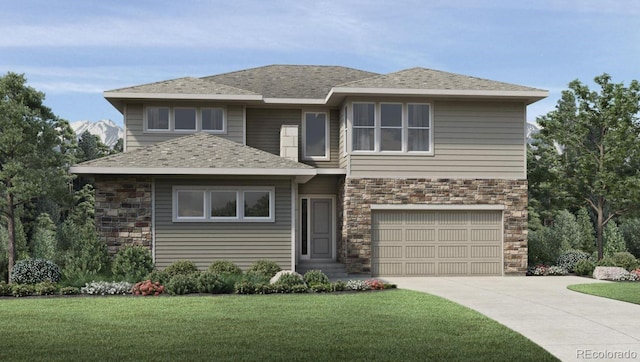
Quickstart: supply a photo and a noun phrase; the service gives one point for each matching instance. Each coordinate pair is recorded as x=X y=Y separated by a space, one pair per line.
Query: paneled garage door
x=436 y=243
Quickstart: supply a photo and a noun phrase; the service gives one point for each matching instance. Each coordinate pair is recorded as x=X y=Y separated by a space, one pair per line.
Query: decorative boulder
x=611 y=273
x=279 y=275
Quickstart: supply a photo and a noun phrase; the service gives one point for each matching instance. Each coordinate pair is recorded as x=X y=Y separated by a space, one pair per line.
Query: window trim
x=146 y=120
x=239 y=203
x=377 y=129
x=353 y=127
x=172 y=117
x=172 y=128
x=327 y=143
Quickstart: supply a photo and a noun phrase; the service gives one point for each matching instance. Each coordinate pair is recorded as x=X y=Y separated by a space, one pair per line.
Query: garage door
x=436 y=243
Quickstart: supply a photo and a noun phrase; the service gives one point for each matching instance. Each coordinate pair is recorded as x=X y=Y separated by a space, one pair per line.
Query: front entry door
x=320 y=228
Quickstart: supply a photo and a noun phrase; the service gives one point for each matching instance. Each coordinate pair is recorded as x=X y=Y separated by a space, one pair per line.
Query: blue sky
x=75 y=50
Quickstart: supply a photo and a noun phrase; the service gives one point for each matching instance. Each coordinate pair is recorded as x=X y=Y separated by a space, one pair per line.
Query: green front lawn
x=395 y=325
x=624 y=291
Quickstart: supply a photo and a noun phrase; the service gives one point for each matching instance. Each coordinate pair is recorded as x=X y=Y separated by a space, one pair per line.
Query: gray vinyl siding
x=320 y=185
x=472 y=140
x=263 y=132
x=137 y=138
x=204 y=242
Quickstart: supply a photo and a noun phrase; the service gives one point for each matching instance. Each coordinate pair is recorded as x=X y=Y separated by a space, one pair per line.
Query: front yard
x=624 y=291
x=389 y=325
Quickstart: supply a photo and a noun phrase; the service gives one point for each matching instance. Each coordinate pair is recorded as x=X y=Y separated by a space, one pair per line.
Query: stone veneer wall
x=358 y=194
x=123 y=211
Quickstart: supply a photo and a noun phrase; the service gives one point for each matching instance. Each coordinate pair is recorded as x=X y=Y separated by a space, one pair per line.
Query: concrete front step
x=333 y=270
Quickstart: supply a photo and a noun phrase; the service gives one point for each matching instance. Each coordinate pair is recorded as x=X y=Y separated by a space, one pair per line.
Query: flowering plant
x=540 y=269
x=375 y=284
x=556 y=270
x=636 y=272
x=357 y=285
x=106 y=288
x=147 y=287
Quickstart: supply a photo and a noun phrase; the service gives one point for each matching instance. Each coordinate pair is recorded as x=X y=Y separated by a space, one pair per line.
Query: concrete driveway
x=572 y=326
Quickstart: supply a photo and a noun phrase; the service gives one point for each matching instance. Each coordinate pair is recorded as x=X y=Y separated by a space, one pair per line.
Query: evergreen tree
x=33 y=151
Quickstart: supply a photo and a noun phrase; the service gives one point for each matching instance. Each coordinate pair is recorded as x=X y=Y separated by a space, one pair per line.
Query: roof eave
x=529 y=96
x=88 y=170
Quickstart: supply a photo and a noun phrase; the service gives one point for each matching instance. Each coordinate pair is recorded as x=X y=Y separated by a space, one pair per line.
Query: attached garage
x=436 y=242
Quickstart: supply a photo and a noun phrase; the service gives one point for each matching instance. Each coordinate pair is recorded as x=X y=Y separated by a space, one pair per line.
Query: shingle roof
x=186 y=85
x=197 y=151
x=291 y=81
x=422 y=78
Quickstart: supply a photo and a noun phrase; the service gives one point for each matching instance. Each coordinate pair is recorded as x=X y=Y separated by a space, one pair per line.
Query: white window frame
x=239 y=203
x=172 y=120
x=345 y=130
x=377 y=129
x=172 y=128
x=146 y=120
x=224 y=120
x=375 y=125
x=327 y=149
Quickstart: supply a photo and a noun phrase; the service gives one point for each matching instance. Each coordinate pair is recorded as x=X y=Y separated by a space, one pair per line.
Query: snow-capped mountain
x=106 y=129
x=531 y=130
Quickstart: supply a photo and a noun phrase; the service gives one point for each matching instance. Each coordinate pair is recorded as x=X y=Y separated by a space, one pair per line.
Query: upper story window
x=391 y=127
x=315 y=130
x=223 y=204
x=184 y=119
x=158 y=118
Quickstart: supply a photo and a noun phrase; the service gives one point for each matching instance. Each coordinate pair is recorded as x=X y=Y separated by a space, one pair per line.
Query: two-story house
x=417 y=172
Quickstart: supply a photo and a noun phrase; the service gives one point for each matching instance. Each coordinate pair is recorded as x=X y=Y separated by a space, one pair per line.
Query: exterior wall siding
x=205 y=242
x=263 y=132
x=123 y=211
x=358 y=194
x=137 y=138
x=471 y=140
x=321 y=184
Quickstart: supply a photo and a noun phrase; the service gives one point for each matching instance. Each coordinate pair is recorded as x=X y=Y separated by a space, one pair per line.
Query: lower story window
x=223 y=204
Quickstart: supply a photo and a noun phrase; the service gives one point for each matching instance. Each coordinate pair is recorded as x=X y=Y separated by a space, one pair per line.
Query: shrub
x=625 y=260
x=338 y=286
x=315 y=277
x=267 y=268
x=613 y=241
x=229 y=282
x=287 y=277
x=636 y=272
x=606 y=261
x=69 y=291
x=22 y=290
x=44 y=239
x=375 y=284
x=5 y=289
x=147 y=287
x=568 y=259
x=299 y=289
x=584 y=267
x=33 y=271
x=85 y=253
x=132 y=263
x=45 y=288
x=630 y=229
x=542 y=248
x=390 y=286
x=539 y=270
x=264 y=288
x=320 y=287
x=158 y=276
x=181 y=267
x=224 y=267
x=556 y=270
x=181 y=284
x=107 y=288
x=210 y=282
x=357 y=285
x=245 y=287
x=280 y=288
